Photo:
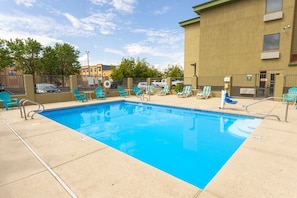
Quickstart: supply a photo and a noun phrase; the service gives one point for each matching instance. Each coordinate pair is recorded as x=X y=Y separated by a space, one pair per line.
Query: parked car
x=156 y=83
x=46 y=88
x=1 y=88
x=163 y=82
x=142 y=85
x=113 y=85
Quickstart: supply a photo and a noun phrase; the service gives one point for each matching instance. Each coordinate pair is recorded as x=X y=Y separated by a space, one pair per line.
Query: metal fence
x=290 y=80
x=246 y=85
x=61 y=82
x=138 y=80
x=13 y=84
x=85 y=82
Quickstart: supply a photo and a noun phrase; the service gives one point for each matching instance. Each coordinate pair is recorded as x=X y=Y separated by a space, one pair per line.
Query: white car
x=46 y=88
x=142 y=85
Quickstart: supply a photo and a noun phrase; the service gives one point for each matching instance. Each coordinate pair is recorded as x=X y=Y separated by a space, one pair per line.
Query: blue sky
x=109 y=29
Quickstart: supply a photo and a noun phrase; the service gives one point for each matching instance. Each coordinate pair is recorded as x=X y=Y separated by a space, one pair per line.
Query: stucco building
x=99 y=71
x=253 y=42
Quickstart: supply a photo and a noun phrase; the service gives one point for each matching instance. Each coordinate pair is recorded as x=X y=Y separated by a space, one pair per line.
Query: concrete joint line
x=64 y=185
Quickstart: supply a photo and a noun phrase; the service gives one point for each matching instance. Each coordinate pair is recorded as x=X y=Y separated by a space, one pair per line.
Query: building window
x=274 y=5
x=12 y=73
x=271 y=42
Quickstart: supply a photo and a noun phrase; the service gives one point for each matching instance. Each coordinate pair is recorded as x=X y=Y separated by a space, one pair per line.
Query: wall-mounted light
x=194 y=65
x=285 y=28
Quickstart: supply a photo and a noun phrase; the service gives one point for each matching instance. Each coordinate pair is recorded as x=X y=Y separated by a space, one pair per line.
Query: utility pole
x=88 y=62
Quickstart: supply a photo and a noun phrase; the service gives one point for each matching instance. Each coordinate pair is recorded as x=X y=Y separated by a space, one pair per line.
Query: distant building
x=98 y=71
x=11 y=71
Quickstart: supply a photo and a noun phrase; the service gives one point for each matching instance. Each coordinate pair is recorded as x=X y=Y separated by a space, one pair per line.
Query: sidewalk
x=264 y=166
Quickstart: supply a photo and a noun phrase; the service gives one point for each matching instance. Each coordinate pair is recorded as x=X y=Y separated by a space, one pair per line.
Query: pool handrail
x=266 y=115
x=32 y=112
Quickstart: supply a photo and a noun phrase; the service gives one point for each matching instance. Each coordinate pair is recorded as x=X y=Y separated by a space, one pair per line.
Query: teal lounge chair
x=291 y=96
x=164 y=91
x=187 y=91
x=78 y=96
x=137 y=91
x=123 y=93
x=205 y=93
x=99 y=93
x=7 y=101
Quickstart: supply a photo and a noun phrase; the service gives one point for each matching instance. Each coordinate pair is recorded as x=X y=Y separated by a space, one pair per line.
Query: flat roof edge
x=209 y=4
x=189 y=21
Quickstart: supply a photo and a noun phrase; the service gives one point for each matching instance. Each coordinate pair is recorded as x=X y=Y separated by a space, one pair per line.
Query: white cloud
x=75 y=22
x=169 y=37
x=42 y=39
x=162 y=10
x=88 y=25
x=114 y=51
x=27 y=3
x=99 y=2
x=23 y=22
x=103 y=22
x=134 y=49
x=160 y=44
x=124 y=5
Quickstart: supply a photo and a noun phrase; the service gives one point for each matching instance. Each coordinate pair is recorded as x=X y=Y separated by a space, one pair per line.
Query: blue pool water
x=189 y=144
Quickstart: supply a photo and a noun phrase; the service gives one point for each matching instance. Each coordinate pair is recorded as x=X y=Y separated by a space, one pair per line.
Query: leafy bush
x=178 y=88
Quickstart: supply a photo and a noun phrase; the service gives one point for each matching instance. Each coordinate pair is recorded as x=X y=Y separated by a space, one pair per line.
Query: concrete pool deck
x=55 y=161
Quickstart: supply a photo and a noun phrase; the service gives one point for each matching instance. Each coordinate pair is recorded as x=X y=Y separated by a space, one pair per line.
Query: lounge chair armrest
x=15 y=99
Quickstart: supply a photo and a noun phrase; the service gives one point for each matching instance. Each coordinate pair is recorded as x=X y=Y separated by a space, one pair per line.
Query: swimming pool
x=191 y=145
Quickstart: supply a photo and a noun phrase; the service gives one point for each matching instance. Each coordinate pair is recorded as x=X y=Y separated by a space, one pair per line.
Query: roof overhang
x=209 y=4
x=189 y=21
x=203 y=6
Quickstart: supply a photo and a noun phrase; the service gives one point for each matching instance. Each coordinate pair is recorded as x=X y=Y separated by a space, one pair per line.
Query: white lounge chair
x=205 y=93
x=187 y=91
x=164 y=91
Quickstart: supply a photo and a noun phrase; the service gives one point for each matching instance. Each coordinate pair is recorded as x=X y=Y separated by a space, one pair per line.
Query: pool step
x=243 y=128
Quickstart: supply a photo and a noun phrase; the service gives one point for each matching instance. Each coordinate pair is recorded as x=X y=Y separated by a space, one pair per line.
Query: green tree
x=26 y=53
x=174 y=71
x=49 y=62
x=5 y=57
x=134 y=69
x=67 y=60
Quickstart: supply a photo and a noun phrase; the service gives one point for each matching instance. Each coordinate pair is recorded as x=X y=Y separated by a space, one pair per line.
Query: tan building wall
x=229 y=38
x=226 y=39
x=95 y=70
x=192 y=49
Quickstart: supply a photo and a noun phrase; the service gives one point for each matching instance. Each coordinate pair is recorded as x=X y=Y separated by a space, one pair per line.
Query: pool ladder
x=31 y=113
x=267 y=115
x=142 y=97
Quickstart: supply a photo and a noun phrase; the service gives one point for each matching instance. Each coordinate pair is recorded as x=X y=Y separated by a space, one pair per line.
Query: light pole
x=88 y=62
